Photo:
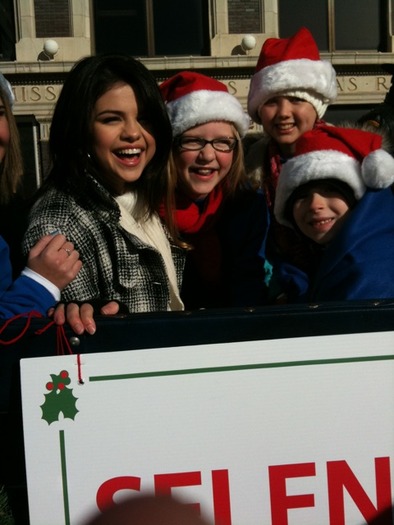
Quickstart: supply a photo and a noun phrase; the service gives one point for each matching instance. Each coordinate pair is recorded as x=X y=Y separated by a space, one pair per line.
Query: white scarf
x=150 y=231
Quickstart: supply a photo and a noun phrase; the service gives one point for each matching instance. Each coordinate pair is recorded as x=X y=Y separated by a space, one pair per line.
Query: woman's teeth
x=129 y=151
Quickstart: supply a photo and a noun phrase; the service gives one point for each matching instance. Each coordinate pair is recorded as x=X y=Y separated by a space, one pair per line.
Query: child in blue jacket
x=52 y=263
x=337 y=192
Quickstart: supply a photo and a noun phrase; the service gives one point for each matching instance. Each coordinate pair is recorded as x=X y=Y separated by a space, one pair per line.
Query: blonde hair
x=236 y=177
x=169 y=203
x=11 y=169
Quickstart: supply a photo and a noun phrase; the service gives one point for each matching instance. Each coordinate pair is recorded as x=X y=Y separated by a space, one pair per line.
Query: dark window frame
x=331 y=30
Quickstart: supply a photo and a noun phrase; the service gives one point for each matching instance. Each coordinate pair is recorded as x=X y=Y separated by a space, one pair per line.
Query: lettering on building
x=36 y=93
x=347 y=85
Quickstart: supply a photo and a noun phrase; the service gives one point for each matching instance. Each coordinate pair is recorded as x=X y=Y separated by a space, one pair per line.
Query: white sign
x=283 y=432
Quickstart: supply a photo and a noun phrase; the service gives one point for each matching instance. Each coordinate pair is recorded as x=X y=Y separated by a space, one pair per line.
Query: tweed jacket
x=116 y=264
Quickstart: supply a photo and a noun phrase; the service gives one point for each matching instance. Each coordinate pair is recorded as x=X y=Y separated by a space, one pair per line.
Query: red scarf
x=191 y=218
x=270 y=180
x=196 y=225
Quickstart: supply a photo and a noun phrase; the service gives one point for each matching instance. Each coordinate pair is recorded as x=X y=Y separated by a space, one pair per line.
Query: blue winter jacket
x=24 y=294
x=358 y=264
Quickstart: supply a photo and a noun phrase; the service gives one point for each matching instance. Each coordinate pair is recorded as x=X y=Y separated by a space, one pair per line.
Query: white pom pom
x=377 y=169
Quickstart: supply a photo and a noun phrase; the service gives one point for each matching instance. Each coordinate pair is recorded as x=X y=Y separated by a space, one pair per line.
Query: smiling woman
x=121 y=145
x=107 y=182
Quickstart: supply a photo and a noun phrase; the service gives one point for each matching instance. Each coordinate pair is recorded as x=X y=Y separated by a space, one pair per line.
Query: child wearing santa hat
x=337 y=192
x=289 y=94
x=221 y=220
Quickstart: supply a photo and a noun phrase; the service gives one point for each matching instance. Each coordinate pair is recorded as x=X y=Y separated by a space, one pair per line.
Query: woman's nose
x=131 y=130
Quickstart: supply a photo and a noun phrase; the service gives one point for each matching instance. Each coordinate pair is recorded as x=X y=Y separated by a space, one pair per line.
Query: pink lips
x=203 y=173
x=285 y=129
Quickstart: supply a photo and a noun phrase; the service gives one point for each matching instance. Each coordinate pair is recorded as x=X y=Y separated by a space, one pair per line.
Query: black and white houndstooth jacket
x=116 y=264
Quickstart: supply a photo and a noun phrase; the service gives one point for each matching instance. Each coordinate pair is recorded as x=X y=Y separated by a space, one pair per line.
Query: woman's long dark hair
x=70 y=134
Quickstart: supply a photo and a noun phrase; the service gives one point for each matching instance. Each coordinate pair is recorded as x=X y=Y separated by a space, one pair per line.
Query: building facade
x=40 y=40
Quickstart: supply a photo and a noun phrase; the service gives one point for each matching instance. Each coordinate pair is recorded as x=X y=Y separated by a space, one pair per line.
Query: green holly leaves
x=60 y=399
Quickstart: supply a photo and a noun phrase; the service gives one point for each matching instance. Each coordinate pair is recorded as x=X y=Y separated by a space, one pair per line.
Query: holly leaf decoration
x=60 y=399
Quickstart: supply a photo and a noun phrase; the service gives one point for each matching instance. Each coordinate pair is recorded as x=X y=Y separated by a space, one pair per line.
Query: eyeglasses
x=225 y=144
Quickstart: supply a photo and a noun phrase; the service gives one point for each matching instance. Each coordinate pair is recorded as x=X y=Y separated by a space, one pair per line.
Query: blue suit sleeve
x=24 y=294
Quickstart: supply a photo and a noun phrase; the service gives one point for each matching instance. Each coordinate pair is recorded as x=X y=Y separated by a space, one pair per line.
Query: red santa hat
x=292 y=67
x=193 y=99
x=352 y=156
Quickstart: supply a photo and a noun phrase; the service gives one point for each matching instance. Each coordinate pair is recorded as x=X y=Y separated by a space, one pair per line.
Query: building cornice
x=198 y=62
x=361 y=78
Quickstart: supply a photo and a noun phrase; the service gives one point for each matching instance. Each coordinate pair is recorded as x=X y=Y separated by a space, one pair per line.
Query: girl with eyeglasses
x=219 y=218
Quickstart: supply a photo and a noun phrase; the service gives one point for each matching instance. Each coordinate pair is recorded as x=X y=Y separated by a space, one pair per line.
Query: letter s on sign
x=107 y=490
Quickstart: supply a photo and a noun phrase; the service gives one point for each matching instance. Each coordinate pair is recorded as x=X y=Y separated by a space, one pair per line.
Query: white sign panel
x=283 y=432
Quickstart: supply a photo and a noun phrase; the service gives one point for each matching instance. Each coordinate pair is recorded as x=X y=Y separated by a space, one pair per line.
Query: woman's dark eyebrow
x=116 y=111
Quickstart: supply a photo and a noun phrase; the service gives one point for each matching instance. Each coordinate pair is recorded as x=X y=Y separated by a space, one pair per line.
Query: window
x=52 y=18
x=244 y=16
x=337 y=25
x=149 y=28
x=7 y=31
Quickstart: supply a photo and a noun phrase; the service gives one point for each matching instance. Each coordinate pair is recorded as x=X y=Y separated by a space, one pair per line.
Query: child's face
x=121 y=140
x=285 y=119
x=319 y=212
x=4 y=132
x=200 y=171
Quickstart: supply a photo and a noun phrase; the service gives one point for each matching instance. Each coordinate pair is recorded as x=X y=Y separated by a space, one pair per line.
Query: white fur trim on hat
x=201 y=106
x=312 y=98
x=317 y=77
x=316 y=165
x=377 y=169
